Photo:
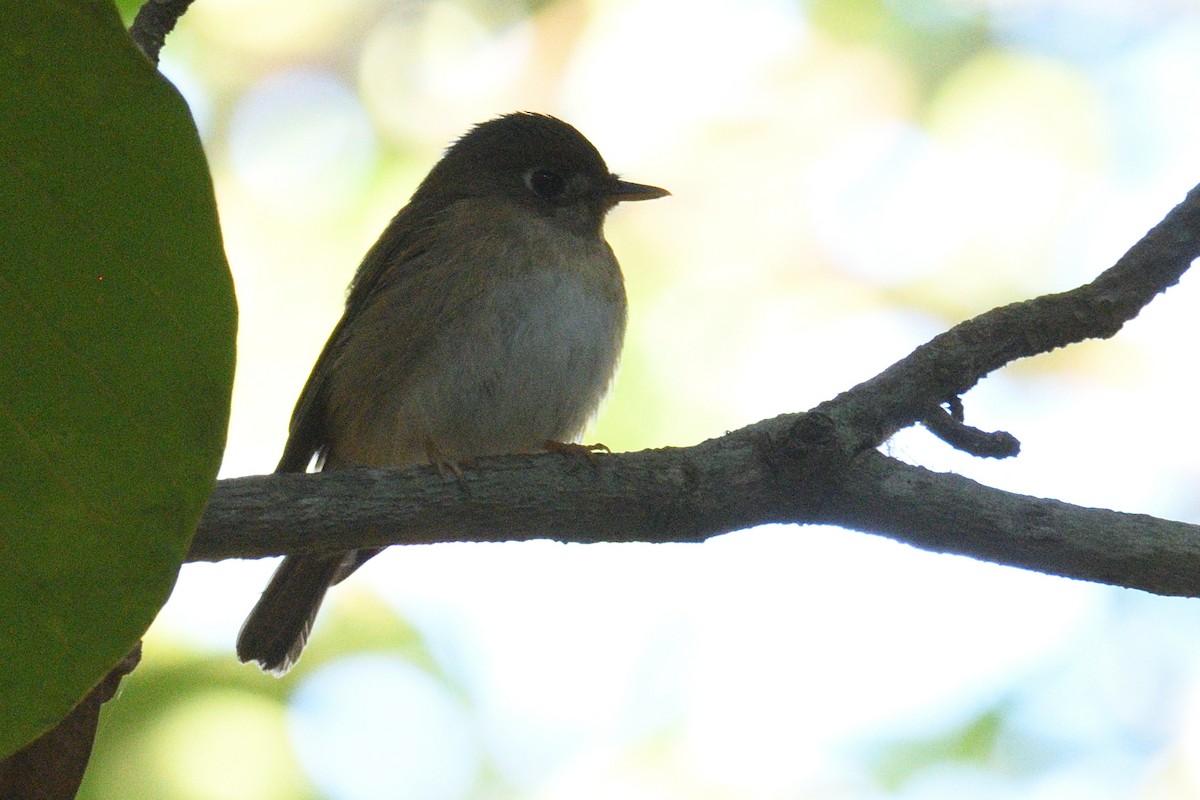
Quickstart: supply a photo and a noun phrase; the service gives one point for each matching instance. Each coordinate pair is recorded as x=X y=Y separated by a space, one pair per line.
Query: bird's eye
x=546 y=184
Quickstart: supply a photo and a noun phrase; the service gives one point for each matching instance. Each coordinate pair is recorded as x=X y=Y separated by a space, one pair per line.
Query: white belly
x=529 y=363
x=532 y=368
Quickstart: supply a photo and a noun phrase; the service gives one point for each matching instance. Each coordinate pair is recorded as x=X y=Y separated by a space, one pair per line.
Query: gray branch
x=757 y=475
x=154 y=20
x=819 y=467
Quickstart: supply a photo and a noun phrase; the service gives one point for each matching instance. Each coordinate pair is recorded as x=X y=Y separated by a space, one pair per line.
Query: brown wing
x=400 y=244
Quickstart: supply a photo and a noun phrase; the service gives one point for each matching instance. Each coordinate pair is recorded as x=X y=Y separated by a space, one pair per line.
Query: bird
x=487 y=319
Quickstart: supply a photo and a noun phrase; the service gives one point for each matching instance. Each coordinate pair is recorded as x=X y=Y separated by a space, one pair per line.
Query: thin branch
x=950 y=428
x=154 y=20
x=673 y=494
x=819 y=467
x=953 y=362
x=947 y=513
x=764 y=473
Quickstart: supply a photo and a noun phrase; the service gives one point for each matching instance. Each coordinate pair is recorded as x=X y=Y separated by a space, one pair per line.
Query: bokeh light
x=849 y=178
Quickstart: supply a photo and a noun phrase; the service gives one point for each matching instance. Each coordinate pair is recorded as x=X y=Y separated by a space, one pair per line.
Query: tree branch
x=154 y=20
x=819 y=467
x=950 y=428
x=953 y=362
x=757 y=475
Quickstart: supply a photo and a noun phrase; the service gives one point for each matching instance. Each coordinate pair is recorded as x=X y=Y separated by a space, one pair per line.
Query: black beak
x=623 y=191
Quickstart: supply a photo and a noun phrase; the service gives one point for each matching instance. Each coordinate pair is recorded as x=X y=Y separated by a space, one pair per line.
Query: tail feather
x=278 y=626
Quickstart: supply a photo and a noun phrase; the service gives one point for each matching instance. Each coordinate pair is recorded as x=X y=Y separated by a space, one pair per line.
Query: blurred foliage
x=986 y=741
x=931 y=39
x=189 y=725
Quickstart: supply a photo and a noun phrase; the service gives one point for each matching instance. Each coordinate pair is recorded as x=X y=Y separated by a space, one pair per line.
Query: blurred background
x=849 y=178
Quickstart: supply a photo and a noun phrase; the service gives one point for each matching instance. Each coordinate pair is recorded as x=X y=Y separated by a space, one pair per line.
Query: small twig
x=950 y=364
x=153 y=22
x=950 y=428
x=955 y=406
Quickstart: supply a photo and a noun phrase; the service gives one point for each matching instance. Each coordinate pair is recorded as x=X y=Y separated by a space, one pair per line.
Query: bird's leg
x=446 y=466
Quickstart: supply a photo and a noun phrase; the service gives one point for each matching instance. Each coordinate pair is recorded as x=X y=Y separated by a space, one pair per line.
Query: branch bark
x=154 y=20
x=757 y=475
x=953 y=362
x=818 y=467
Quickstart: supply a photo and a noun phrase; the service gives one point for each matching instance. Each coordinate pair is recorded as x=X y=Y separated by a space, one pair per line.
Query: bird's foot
x=448 y=467
x=574 y=449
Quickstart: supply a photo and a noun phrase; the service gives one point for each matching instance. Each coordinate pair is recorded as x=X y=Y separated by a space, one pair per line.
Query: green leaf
x=117 y=328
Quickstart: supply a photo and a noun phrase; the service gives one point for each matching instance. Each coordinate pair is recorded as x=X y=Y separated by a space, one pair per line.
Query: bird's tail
x=278 y=626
